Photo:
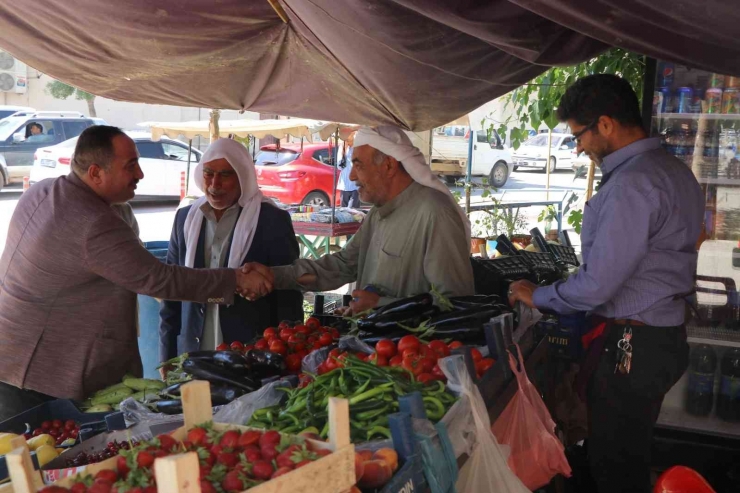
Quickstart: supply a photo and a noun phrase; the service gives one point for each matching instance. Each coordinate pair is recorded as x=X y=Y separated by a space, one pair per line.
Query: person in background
x=350 y=195
x=231 y=224
x=639 y=259
x=415 y=237
x=69 y=275
x=35 y=129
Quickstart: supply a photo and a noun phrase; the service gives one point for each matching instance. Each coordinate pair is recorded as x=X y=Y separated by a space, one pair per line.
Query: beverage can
x=666 y=71
x=684 y=98
x=731 y=101
x=717 y=80
x=732 y=81
x=713 y=100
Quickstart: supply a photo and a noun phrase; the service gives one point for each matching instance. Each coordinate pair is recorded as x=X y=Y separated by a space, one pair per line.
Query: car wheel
x=499 y=174
x=553 y=164
x=451 y=180
x=318 y=199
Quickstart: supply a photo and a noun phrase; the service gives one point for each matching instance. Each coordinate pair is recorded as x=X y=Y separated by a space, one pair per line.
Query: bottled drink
x=727 y=151
x=700 y=392
x=713 y=99
x=717 y=80
x=728 y=400
x=731 y=101
x=684 y=100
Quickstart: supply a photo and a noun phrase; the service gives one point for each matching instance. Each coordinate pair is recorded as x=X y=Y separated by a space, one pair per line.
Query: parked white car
x=162 y=163
x=450 y=148
x=533 y=153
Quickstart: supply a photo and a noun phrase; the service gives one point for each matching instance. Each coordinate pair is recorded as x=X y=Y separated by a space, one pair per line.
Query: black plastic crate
x=540 y=261
x=564 y=254
x=62 y=409
x=508 y=267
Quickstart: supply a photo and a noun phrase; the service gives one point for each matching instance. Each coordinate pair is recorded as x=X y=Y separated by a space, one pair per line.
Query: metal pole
x=590 y=180
x=334 y=167
x=187 y=177
x=547 y=163
x=469 y=171
x=431 y=135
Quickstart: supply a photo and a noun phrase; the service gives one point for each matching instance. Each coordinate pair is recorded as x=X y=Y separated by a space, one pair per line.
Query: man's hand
x=522 y=291
x=343 y=311
x=363 y=300
x=254 y=281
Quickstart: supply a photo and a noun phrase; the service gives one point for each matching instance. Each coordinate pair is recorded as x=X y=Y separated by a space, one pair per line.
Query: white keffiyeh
x=251 y=201
x=394 y=142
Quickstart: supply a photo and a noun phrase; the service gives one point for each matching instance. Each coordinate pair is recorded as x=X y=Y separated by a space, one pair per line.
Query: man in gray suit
x=69 y=275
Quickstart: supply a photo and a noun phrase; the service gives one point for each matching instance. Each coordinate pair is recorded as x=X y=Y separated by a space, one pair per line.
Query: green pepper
x=343 y=383
x=366 y=415
x=378 y=430
x=291 y=417
x=325 y=431
x=292 y=429
x=437 y=409
x=369 y=394
x=366 y=406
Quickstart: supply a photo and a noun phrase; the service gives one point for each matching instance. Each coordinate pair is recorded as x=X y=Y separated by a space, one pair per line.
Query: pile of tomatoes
x=292 y=342
x=412 y=354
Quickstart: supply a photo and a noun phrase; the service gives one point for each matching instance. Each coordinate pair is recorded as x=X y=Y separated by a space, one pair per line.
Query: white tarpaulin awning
x=295 y=127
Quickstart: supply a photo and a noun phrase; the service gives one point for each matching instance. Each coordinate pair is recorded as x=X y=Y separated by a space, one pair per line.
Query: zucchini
x=108 y=390
x=146 y=396
x=100 y=408
x=143 y=383
x=112 y=397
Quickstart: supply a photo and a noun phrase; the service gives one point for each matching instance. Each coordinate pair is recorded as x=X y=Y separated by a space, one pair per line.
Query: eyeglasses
x=577 y=136
x=224 y=175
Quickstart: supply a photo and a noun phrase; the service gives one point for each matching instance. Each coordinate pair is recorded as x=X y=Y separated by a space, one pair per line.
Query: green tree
x=59 y=90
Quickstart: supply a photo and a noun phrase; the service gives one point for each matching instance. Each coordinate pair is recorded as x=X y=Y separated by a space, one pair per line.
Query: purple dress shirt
x=638 y=241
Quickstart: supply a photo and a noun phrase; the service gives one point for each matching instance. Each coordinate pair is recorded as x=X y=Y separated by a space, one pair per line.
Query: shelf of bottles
x=696 y=114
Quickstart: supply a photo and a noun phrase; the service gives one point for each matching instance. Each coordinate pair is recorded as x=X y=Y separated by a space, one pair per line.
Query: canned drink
x=665 y=74
x=713 y=99
x=731 y=101
x=666 y=107
x=732 y=81
x=717 y=80
x=684 y=98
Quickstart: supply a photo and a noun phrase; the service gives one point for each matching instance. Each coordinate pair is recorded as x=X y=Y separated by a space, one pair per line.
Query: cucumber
x=108 y=390
x=100 y=408
x=112 y=397
x=143 y=384
x=146 y=396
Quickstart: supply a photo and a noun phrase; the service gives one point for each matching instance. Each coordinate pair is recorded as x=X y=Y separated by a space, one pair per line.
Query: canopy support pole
x=469 y=172
x=334 y=163
x=278 y=10
x=187 y=174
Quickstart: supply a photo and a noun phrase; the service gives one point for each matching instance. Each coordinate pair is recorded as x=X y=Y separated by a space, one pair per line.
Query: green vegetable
x=111 y=397
x=143 y=383
x=111 y=389
x=146 y=396
x=100 y=408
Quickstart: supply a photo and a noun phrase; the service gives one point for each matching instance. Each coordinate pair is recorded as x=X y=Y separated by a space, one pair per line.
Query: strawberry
x=232 y=482
x=249 y=437
x=160 y=453
x=54 y=489
x=166 y=442
x=137 y=489
x=207 y=487
x=205 y=456
x=187 y=445
x=100 y=486
x=269 y=452
x=303 y=463
x=150 y=489
x=217 y=449
x=228 y=459
x=280 y=471
x=122 y=466
x=262 y=470
x=323 y=452
x=270 y=437
x=230 y=439
x=252 y=453
x=285 y=458
x=107 y=475
x=78 y=488
x=198 y=436
x=144 y=459
x=205 y=471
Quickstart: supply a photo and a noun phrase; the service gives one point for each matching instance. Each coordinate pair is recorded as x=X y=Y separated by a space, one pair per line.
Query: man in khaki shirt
x=414 y=238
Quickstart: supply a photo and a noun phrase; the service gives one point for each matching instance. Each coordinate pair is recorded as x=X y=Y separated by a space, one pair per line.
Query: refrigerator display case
x=696 y=114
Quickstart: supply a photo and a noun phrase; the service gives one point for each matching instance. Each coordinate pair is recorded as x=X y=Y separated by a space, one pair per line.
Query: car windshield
x=273 y=158
x=8 y=126
x=537 y=141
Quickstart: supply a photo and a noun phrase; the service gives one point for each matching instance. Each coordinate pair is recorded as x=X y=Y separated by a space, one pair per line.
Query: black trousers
x=350 y=199
x=14 y=401
x=623 y=409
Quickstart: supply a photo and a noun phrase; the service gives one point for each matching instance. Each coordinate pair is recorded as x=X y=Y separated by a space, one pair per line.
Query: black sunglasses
x=577 y=136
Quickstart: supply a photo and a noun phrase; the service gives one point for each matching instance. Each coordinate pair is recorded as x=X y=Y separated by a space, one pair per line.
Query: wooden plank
x=178 y=473
x=21 y=476
x=20 y=442
x=196 y=403
x=339 y=423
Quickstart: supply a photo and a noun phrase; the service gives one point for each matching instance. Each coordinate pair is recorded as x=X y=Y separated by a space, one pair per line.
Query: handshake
x=254 y=280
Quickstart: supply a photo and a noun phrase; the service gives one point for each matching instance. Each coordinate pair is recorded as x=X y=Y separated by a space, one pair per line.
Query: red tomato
x=313 y=323
x=302 y=329
x=325 y=340
x=477 y=356
x=409 y=352
x=70 y=425
x=455 y=345
x=322 y=368
x=438 y=373
x=286 y=333
x=408 y=342
x=428 y=364
x=334 y=353
x=301 y=353
x=57 y=423
x=283 y=325
x=425 y=378
x=279 y=347
x=425 y=352
x=312 y=340
x=413 y=363
x=296 y=337
x=222 y=347
x=385 y=347
x=46 y=425
x=237 y=346
x=439 y=348
x=483 y=365
x=261 y=345
x=335 y=333
x=397 y=360
x=248 y=347
x=333 y=363
x=299 y=347
x=293 y=363
x=363 y=356
x=269 y=333
x=378 y=359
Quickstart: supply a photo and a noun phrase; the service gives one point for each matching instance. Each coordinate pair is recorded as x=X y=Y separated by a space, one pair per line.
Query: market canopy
x=416 y=63
x=296 y=127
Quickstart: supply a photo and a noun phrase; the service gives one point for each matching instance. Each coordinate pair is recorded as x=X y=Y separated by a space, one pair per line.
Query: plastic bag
x=486 y=468
x=528 y=317
x=527 y=427
x=311 y=361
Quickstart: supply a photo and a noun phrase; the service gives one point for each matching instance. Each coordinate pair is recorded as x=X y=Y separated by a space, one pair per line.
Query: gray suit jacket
x=68 y=282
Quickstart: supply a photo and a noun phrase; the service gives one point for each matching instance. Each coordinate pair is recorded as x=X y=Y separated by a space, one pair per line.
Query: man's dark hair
x=95 y=146
x=600 y=95
x=37 y=125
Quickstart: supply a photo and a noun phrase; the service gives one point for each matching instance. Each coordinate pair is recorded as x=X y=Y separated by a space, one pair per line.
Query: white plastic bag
x=486 y=468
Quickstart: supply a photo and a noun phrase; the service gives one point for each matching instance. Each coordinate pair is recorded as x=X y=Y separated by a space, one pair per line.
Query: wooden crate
x=334 y=473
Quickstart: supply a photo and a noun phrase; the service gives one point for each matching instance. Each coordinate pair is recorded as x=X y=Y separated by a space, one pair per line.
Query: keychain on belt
x=624 y=352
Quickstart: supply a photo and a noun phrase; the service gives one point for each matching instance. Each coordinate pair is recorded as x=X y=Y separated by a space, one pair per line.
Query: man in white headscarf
x=232 y=224
x=414 y=238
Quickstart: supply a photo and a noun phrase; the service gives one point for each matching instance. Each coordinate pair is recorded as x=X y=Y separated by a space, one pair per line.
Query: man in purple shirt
x=639 y=259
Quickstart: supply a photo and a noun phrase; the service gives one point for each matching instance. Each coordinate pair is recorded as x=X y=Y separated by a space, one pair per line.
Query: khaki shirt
x=403 y=248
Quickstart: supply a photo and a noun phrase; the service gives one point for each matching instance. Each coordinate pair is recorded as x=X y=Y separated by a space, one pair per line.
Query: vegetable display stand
x=324 y=233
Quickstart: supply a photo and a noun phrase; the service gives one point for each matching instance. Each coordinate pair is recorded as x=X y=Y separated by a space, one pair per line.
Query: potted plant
x=547 y=216
x=515 y=226
x=491 y=226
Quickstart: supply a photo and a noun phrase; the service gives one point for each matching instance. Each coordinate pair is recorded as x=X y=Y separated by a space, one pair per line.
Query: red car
x=295 y=176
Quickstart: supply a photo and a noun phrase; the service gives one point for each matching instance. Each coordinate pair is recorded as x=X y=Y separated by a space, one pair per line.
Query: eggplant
x=223 y=394
x=463 y=302
x=462 y=334
x=393 y=321
x=372 y=339
x=232 y=360
x=203 y=370
x=411 y=303
x=171 y=390
x=465 y=318
x=265 y=363
x=173 y=406
x=202 y=355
